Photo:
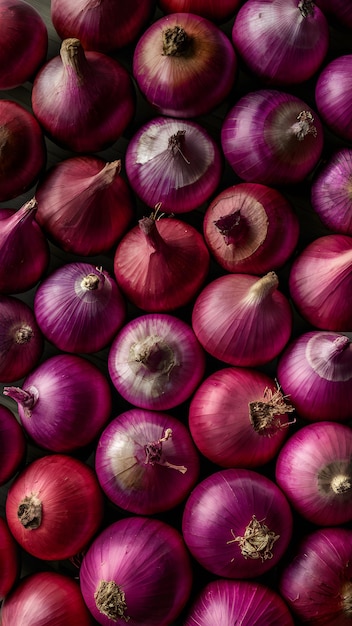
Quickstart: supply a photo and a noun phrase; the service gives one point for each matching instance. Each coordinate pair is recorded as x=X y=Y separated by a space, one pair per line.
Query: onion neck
x=25 y=398
x=152 y=235
x=74 y=59
x=91 y=282
x=23 y=334
x=336 y=479
x=304 y=126
x=257 y=542
x=29 y=512
x=155 y=355
x=346 y=599
x=110 y=600
x=262 y=288
x=106 y=176
x=265 y=414
x=154 y=453
x=306 y=8
x=176 y=145
x=176 y=42
x=331 y=360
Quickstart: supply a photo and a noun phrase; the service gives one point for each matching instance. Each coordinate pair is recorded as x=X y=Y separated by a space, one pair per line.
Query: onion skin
x=9 y=562
x=13 y=445
x=331 y=195
x=333 y=91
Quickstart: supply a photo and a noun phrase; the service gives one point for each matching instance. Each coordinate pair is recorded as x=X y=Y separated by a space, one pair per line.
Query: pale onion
x=9 y=562
x=13 y=445
x=213 y=10
x=331 y=192
x=333 y=96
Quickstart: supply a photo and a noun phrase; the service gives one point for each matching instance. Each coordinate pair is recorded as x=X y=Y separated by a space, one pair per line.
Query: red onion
x=272 y=137
x=84 y=204
x=238 y=418
x=284 y=42
x=184 y=65
x=9 y=562
x=315 y=371
x=79 y=307
x=333 y=96
x=250 y=229
x=245 y=602
x=24 y=250
x=331 y=192
x=64 y=403
x=174 y=162
x=146 y=461
x=237 y=523
x=213 y=10
x=156 y=362
x=54 y=507
x=235 y=314
x=161 y=264
x=314 y=470
x=339 y=12
x=22 y=150
x=102 y=26
x=316 y=583
x=92 y=103
x=136 y=570
x=13 y=445
x=321 y=280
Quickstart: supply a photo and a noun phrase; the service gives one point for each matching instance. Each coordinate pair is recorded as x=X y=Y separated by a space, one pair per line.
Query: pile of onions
x=9 y=562
x=84 y=204
x=92 y=103
x=333 y=96
x=250 y=228
x=13 y=445
x=272 y=137
x=211 y=9
x=184 y=65
x=137 y=570
x=331 y=192
x=64 y=403
x=54 y=507
x=146 y=461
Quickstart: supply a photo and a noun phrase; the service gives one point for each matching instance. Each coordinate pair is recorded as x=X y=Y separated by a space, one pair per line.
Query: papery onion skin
x=331 y=192
x=272 y=137
x=185 y=83
x=228 y=602
x=333 y=92
x=313 y=469
x=13 y=445
x=320 y=283
x=141 y=467
x=65 y=507
x=156 y=362
x=9 y=561
x=212 y=10
x=174 y=162
x=316 y=583
x=250 y=229
x=223 y=510
x=45 y=598
x=148 y=566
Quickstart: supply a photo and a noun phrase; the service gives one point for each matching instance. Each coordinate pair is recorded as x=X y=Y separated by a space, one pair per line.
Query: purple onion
x=9 y=562
x=13 y=445
x=333 y=96
x=331 y=195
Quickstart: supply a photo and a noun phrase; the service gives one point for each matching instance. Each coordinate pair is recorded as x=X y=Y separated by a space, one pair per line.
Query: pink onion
x=331 y=192
x=174 y=162
x=84 y=204
x=64 y=403
x=136 y=570
x=333 y=96
x=250 y=229
x=54 y=507
x=237 y=523
x=316 y=583
x=184 y=65
x=234 y=315
x=315 y=371
x=284 y=42
x=24 y=250
x=22 y=150
x=272 y=137
x=320 y=282
x=146 y=461
x=238 y=418
x=92 y=103
x=13 y=445
x=161 y=263
x=9 y=562
x=79 y=307
x=245 y=602
x=156 y=362
x=48 y=599
x=314 y=470
x=213 y=10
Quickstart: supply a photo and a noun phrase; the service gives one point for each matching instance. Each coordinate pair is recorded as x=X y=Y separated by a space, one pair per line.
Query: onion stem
x=306 y=7
x=175 y=42
x=110 y=600
x=336 y=477
x=29 y=512
x=153 y=452
x=90 y=282
x=346 y=593
x=257 y=541
x=23 y=334
x=304 y=126
x=262 y=288
x=265 y=414
x=73 y=57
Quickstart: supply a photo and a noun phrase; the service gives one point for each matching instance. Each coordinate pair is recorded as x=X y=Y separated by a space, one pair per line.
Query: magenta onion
x=161 y=263
x=138 y=571
x=13 y=445
x=46 y=598
x=234 y=315
x=238 y=418
x=272 y=137
x=316 y=583
x=212 y=10
x=22 y=150
x=237 y=523
x=9 y=562
x=284 y=42
x=54 y=507
x=184 y=65
x=146 y=461
x=24 y=250
x=333 y=96
x=320 y=282
x=79 y=307
x=174 y=162
x=92 y=103
x=245 y=602
x=331 y=192
x=250 y=228
x=314 y=470
x=63 y=403
x=156 y=361
x=84 y=204
x=315 y=371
